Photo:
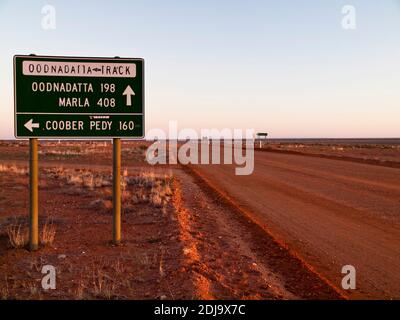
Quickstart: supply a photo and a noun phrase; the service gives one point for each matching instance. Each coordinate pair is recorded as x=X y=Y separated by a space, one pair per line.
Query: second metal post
x=116 y=190
x=33 y=195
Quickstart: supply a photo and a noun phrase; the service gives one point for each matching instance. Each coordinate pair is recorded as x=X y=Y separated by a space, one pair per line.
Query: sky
x=285 y=67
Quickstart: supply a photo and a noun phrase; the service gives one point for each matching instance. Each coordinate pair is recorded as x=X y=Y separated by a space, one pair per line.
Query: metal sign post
x=33 y=195
x=261 y=135
x=116 y=191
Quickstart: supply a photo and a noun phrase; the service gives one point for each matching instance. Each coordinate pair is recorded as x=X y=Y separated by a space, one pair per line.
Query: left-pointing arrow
x=30 y=125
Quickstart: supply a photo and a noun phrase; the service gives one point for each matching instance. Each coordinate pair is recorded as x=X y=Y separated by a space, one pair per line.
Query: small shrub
x=18 y=236
x=48 y=233
x=156 y=199
x=103 y=287
x=13 y=169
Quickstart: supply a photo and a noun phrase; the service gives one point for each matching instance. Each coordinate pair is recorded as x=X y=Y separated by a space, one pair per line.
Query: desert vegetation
x=48 y=233
x=138 y=188
x=79 y=200
x=13 y=169
x=17 y=232
x=17 y=235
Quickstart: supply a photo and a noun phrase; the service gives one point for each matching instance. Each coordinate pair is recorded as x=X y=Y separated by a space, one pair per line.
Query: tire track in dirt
x=208 y=257
x=231 y=257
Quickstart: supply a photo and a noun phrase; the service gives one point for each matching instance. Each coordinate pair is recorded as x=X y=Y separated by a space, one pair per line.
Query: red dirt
x=146 y=266
x=197 y=247
x=246 y=262
x=372 y=160
x=329 y=213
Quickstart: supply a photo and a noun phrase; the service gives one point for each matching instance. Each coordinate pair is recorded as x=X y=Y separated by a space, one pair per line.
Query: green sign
x=67 y=97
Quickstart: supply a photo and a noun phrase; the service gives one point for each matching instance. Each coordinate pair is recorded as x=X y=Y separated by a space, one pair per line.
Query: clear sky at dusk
x=286 y=67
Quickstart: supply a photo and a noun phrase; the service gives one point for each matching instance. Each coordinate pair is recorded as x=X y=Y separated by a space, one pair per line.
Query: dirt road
x=331 y=213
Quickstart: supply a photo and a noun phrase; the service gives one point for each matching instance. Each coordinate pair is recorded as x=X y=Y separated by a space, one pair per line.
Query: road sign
x=67 y=97
x=262 y=134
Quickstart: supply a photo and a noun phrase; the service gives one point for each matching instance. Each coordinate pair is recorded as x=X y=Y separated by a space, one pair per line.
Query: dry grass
x=153 y=188
x=4 y=291
x=103 y=286
x=98 y=281
x=146 y=187
x=80 y=290
x=18 y=236
x=101 y=205
x=48 y=233
x=118 y=267
x=161 y=265
x=4 y=294
x=13 y=169
x=89 y=180
x=80 y=178
x=33 y=289
x=160 y=194
x=72 y=150
x=67 y=152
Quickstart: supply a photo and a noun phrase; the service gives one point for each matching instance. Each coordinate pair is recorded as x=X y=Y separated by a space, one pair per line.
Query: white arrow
x=30 y=125
x=128 y=93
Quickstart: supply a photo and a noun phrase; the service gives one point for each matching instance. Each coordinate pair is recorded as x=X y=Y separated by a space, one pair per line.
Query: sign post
x=261 y=135
x=116 y=191
x=72 y=97
x=33 y=195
